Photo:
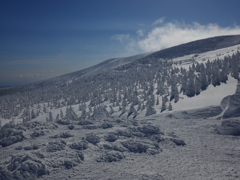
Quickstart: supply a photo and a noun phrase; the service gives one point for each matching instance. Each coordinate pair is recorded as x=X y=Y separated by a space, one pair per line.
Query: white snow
x=204 y=57
x=210 y=97
x=211 y=55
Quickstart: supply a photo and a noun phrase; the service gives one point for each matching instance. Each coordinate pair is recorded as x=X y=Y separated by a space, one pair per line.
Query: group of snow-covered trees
x=151 y=85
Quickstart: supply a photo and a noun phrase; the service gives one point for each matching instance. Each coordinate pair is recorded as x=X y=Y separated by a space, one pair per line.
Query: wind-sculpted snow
x=62 y=149
x=174 y=145
x=9 y=135
x=23 y=167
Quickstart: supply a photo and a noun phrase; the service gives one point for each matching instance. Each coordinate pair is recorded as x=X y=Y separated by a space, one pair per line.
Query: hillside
x=124 y=113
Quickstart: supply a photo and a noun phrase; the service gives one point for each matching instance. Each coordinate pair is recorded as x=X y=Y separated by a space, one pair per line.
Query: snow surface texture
x=211 y=97
x=206 y=155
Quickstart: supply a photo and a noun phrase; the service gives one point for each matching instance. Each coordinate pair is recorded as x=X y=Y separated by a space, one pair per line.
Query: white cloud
x=121 y=37
x=164 y=35
x=171 y=34
x=129 y=42
x=159 y=21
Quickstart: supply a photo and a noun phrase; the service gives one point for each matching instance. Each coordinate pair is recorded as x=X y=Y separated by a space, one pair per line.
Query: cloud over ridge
x=171 y=34
x=167 y=34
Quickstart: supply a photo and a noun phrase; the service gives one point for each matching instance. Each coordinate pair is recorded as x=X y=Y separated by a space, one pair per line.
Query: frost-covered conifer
x=44 y=108
x=33 y=115
x=124 y=103
x=111 y=110
x=70 y=114
x=157 y=102
x=139 y=106
x=164 y=101
x=50 y=119
x=89 y=109
x=84 y=114
x=190 y=90
x=134 y=99
x=215 y=75
x=132 y=111
x=123 y=109
x=150 y=110
x=160 y=88
x=61 y=113
x=204 y=81
x=170 y=106
x=39 y=107
x=174 y=93
x=57 y=117
x=143 y=106
x=197 y=86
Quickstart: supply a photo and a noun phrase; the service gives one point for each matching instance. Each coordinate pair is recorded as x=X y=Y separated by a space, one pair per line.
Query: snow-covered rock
x=23 y=167
x=231 y=104
x=229 y=127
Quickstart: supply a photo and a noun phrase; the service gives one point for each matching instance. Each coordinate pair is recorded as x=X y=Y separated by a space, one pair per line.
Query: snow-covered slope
x=211 y=97
x=182 y=56
x=145 y=69
x=213 y=46
x=126 y=118
x=93 y=70
x=106 y=66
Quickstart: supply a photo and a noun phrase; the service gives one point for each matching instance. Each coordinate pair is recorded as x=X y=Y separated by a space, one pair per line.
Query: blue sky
x=40 y=39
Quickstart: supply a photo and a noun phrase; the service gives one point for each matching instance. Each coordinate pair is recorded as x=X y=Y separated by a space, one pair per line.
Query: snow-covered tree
x=164 y=101
x=157 y=102
x=139 y=106
x=61 y=113
x=50 y=117
x=57 y=117
x=111 y=110
x=84 y=114
x=70 y=114
x=150 y=110
x=174 y=93
x=204 y=81
x=170 y=108
x=197 y=86
x=33 y=115
x=190 y=90
x=132 y=111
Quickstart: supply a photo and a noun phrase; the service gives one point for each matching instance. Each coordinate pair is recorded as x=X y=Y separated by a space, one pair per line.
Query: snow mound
x=231 y=104
x=229 y=127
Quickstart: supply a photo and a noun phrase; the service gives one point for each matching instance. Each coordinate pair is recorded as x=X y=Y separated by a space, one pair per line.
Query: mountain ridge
x=194 y=47
x=217 y=42
x=139 y=80
x=198 y=46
